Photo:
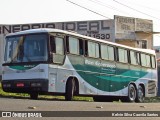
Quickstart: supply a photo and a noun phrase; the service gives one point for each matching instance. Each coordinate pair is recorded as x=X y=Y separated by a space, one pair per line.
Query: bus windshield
x=26 y=48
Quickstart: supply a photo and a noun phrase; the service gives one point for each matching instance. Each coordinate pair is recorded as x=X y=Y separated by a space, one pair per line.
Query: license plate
x=20 y=84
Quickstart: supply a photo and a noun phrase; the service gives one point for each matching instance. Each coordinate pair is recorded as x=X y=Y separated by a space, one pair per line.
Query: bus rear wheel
x=131 y=93
x=70 y=88
x=140 y=94
x=34 y=96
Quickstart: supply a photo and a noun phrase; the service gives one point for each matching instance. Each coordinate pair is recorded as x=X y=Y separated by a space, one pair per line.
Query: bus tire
x=70 y=88
x=34 y=96
x=131 y=93
x=140 y=94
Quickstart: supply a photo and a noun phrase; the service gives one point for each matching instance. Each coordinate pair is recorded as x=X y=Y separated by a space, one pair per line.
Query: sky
x=41 y=11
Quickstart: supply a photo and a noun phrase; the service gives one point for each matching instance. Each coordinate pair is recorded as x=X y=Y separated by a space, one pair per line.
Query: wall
x=127 y=42
x=129 y=29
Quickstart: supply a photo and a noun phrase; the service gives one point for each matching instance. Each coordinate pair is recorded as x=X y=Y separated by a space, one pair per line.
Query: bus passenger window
x=107 y=52
x=56 y=44
x=153 y=62
x=148 y=61
x=111 y=53
x=122 y=55
x=86 y=48
x=138 y=58
x=93 y=49
x=59 y=46
x=143 y=60
x=80 y=47
x=73 y=45
x=133 y=58
x=52 y=44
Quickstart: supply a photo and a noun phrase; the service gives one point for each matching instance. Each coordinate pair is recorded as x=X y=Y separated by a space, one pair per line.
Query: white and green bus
x=57 y=62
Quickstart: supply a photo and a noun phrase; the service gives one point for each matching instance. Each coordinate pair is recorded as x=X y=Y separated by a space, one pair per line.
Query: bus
x=58 y=62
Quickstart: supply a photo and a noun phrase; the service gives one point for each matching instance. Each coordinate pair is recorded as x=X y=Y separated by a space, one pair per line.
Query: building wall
x=129 y=30
x=147 y=37
x=127 y=42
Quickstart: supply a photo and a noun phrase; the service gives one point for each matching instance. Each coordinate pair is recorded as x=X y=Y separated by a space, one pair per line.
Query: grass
x=50 y=97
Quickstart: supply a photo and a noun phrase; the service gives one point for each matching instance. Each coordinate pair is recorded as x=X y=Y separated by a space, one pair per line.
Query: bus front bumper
x=25 y=86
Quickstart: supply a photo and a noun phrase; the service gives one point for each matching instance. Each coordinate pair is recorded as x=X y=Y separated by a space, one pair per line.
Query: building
x=134 y=32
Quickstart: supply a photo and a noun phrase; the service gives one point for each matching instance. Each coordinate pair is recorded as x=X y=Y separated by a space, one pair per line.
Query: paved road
x=11 y=104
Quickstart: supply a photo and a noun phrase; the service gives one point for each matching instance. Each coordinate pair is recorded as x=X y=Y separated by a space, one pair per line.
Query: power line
x=88 y=9
x=106 y=5
x=135 y=9
x=101 y=3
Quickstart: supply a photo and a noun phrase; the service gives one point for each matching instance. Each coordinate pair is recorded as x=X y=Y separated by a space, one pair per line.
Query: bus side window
x=148 y=61
x=74 y=45
x=133 y=58
x=153 y=63
x=143 y=60
x=107 y=52
x=56 y=45
x=138 y=58
x=122 y=55
x=93 y=49
x=52 y=44
x=86 y=48
x=57 y=49
x=116 y=56
x=67 y=44
x=81 y=47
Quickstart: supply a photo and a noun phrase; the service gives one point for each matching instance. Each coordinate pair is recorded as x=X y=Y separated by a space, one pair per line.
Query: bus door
x=58 y=59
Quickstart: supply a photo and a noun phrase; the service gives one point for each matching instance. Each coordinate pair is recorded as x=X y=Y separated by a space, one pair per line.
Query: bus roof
x=50 y=30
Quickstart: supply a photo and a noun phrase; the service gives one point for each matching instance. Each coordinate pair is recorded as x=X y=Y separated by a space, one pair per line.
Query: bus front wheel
x=70 y=88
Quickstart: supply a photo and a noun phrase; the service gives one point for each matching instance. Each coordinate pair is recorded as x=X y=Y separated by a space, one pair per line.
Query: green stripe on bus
x=23 y=67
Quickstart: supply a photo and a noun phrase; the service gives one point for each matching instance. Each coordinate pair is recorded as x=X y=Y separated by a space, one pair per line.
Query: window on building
x=144 y=44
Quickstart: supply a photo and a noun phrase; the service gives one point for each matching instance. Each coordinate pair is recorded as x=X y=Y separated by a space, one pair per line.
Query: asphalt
x=81 y=110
